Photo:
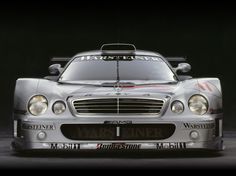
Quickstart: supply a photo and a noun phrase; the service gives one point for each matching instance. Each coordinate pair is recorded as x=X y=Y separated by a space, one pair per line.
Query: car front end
x=118 y=101
x=122 y=121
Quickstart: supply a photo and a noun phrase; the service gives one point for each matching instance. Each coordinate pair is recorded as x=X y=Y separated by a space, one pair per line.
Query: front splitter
x=209 y=145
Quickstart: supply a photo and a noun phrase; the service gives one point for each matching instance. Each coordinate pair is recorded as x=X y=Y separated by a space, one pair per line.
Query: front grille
x=118 y=106
x=117 y=132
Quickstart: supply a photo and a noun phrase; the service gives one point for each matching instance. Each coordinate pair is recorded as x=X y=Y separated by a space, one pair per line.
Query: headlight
x=177 y=107
x=38 y=105
x=198 y=104
x=58 y=107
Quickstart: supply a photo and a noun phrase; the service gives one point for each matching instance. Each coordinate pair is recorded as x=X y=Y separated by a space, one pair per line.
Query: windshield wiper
x=170 y=82
x=75 y=83
x=121 y=84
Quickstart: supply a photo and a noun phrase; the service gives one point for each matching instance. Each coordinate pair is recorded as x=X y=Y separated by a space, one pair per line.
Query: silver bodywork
x=208 y=126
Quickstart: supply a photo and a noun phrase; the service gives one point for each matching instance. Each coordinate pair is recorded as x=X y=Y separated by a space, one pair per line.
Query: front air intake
x=110 y=131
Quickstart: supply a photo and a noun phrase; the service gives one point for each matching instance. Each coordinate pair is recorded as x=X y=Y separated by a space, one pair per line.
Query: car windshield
x=117 y=68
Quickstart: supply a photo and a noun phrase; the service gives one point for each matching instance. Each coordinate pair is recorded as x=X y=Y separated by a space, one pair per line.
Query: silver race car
x=118 y=98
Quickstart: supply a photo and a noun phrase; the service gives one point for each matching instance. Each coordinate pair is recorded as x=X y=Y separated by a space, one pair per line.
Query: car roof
x=137 y=52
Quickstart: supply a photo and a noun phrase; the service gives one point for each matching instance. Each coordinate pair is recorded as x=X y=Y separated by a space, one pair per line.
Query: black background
x=32 y=33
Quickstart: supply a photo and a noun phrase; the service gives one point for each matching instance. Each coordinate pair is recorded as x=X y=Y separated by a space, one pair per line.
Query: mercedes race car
x=118 y=98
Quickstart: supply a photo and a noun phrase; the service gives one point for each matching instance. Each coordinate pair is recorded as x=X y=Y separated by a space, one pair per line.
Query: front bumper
x=215 y=145
x=47 y=135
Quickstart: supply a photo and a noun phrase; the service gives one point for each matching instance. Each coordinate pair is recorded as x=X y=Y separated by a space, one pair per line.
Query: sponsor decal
x=117 y=57
x=65 y=146
x=199 y=125
x=125 y=131
x=118 y=122
x=142 y=132
x=96 y=133
x=206 y=86
x=119 y=146
x=171 y=145
x=26 y=126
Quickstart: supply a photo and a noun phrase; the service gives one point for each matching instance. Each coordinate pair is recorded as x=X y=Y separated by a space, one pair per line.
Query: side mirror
x=55 y=69
x=183 y=67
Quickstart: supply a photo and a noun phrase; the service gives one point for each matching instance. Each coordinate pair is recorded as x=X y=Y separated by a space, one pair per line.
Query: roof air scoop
x=118 y=49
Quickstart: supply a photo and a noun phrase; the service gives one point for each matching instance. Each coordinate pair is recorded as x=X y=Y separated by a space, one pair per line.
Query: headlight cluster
x=38 y=105
x=198 y=104
x=58 y=107
x=177 y=107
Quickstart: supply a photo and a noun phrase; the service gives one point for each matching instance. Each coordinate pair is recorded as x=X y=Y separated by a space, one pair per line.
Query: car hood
x=27 y=87
x=68 y=90
x=96 y=90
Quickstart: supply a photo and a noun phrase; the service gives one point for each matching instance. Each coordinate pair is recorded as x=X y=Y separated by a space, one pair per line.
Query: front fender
x=25 y=88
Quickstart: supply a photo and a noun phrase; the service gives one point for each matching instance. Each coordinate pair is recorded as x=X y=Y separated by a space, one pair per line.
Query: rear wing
x=60 y=60
x=174 y=61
